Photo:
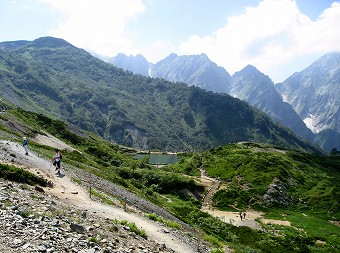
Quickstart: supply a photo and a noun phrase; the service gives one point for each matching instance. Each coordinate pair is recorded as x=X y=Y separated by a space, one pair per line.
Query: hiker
x=241 y=215
x=244 y=216
x=25 y=144
x=56 y=160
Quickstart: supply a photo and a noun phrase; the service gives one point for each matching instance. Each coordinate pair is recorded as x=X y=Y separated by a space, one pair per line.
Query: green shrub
x=153 y=217
x=134 y=229
x=217 y=251
x=93 y=239
x=20 y=175
x=168 y=223
x=214 y=241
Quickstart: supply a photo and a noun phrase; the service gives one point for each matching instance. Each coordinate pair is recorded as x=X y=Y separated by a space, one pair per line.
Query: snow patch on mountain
x=311 y=123
x=284 y=98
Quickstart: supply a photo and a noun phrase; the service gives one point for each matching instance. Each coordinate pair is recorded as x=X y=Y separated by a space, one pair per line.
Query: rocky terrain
x=64 y=218
x=32 y=221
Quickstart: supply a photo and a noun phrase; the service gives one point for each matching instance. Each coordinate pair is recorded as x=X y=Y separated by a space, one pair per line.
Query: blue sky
x=279 y=37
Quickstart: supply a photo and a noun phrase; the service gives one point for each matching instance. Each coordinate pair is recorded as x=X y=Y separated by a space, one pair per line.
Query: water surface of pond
x=158 y=158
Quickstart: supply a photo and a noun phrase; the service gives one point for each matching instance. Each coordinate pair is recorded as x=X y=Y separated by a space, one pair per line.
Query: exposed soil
x=233 y=218
x=51 y=141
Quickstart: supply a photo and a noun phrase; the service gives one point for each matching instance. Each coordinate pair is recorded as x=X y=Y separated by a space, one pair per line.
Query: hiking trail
x=75 y=195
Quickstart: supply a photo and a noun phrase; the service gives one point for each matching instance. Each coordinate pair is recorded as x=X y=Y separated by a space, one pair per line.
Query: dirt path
x=232 y=217
x=214 y=185
x=75 y=195
x=51 y=141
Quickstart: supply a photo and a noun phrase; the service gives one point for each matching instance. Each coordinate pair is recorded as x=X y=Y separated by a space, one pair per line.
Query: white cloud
x=268 y=35
x=322 y=35
x=96 y=25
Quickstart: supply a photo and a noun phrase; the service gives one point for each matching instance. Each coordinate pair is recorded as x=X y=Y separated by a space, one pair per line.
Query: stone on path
x=77 y=228
x=39 y=189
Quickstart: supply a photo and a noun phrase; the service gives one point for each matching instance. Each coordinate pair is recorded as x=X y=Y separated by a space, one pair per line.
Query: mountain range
x=52 y=77
x=307 y=102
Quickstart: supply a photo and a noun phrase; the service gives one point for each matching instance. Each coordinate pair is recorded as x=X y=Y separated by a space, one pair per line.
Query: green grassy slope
x=310 y=181
x=94 y=154
x=284 y=184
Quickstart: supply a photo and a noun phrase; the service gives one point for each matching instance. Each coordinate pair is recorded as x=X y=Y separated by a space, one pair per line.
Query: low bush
x=20 y=175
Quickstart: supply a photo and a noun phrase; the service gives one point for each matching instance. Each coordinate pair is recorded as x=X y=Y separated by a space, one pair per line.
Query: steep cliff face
x=195 y=70
x=256 y=88
x=314 y=93
x=137 y=64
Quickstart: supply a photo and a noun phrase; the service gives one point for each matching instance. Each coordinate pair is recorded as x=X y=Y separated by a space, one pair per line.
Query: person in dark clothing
x=25 y=144
x=56 y=160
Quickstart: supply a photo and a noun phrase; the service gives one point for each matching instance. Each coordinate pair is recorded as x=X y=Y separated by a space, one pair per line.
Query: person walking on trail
x=56 y=160
x=25 y=144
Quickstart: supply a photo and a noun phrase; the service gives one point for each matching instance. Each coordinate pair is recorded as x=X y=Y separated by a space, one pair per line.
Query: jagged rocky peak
x=203 y=56
x=137 y=64
x=171 y=56
x=251 y=76
x=196 y=70
x=320 y=70
x=139 y=56
x=250 y=71
x=256 y=88
x=328 y=61
x=182 y=58
x=121 y=56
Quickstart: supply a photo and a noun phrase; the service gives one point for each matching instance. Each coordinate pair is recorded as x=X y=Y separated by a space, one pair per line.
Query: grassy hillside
x=302 y=181
x=53 y=77
x=246 y=171
x=285 y=184
x=93 y=154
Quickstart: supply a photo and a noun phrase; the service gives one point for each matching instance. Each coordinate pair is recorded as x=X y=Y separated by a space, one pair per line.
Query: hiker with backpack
x=56 y=160
x=25 y=145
